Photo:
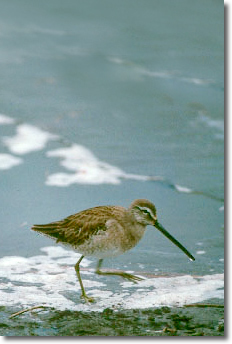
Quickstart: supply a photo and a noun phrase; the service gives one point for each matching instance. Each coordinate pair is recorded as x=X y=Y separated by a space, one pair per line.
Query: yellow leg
x=125 y=275
x=83 y=295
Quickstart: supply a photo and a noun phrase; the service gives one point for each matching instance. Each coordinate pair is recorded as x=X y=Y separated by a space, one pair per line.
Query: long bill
x=170 y=237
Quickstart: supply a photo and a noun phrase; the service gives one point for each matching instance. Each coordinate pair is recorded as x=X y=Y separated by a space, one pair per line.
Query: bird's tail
x=51 y=229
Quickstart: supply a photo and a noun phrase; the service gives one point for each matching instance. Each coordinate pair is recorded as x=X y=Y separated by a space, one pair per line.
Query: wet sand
x=198 y=320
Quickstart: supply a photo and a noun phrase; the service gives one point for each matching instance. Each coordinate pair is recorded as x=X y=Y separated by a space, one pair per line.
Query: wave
x=82 y=166
x=50 y=280
x=6 y=120
x=28 y=139
x=88 y=169
x=8 y=161
x=163 y=74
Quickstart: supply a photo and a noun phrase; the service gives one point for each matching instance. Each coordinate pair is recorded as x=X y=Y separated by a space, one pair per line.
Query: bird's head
x=145 y=213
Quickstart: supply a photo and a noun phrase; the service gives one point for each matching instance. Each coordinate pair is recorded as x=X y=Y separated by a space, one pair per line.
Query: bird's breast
x=114 y=240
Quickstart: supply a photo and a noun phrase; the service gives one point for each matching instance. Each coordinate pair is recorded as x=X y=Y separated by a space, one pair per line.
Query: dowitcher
x=106 y=231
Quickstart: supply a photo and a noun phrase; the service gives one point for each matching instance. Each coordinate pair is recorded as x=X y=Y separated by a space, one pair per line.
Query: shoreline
x=193 y=320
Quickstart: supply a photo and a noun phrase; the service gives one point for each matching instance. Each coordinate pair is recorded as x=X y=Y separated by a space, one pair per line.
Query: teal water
x=139 y=84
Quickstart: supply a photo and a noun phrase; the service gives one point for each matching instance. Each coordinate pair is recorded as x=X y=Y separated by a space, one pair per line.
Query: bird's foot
x=131 y=278
x=123 y=274
x=87 y=299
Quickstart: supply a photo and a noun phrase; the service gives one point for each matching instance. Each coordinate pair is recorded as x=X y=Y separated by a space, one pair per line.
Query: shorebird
x=106 y=231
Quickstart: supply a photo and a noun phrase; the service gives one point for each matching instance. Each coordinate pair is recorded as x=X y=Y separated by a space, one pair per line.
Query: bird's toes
x=136 y=278
x=87 y=299
x=132 y=278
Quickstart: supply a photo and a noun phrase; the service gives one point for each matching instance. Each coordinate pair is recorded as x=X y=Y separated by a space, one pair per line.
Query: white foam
x=88 y=169
x=157 y=74
x=50 y=280
x=117 y=60
x=163 y=74
x=174 y=75
x=197 y=81
x=143 y=178
x=178 y=291
x=6 y=120
x=213 y=123
x=183 y=189
x=82 y=165
x=28 y=138
x=8 y=161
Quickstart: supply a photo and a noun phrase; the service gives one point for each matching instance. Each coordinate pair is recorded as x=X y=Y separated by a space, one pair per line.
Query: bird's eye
x=145 y=211
x=148 y=213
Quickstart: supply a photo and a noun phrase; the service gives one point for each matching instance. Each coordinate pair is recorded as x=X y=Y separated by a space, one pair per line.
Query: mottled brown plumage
x=76 y=229
x=98 y=231
x=105 y=231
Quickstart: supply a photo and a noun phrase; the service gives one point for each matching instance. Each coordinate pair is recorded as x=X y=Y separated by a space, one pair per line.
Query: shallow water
x=102 y=104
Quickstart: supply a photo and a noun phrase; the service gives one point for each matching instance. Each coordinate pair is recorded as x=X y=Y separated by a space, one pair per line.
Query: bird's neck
x=134 y=228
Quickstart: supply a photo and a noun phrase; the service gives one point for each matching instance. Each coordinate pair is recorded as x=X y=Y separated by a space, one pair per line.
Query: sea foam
x=86 y=168
x=8 y=161
x=50 y=280
x=6 y=120
x=28 y=139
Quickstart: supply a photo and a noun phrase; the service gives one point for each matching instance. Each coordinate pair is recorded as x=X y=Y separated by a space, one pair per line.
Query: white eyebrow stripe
x=149 y=211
